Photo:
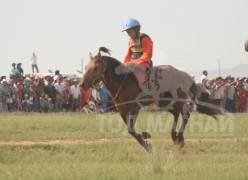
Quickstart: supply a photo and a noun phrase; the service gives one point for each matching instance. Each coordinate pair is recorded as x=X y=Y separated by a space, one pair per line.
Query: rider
x=139 y=53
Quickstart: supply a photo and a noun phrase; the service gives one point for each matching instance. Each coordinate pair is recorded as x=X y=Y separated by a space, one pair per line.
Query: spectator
x=204 y=92
x=13 y=71
x=46 y=79
x=20 y=69
x=230 y=90
x=217 y=91
x=243 y=98
x=51 y=91
x=26 y=86
x=18 y=95
x=104 y=96
x=204 y=75
x=7 y=95
x=49 y=105
x=66 y=93
x=34 y=63
x=38 y=86
x=246 y=90
x=75 y=93
x=59 y=86
x=25 y=103
x=36 y=104
x=30 y=102
x=42 y=102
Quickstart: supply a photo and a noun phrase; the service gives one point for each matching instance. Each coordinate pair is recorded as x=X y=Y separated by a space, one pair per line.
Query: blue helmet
x=130 y=23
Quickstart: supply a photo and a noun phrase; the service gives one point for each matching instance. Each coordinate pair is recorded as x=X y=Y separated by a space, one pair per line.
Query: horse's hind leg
x=175 y=113
x=180 y=138
x=130 y=121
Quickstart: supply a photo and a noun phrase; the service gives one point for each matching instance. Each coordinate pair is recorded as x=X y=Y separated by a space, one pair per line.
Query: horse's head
x=93 y=70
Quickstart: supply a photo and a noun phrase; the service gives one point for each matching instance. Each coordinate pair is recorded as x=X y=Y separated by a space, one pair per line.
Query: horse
x=170 y=89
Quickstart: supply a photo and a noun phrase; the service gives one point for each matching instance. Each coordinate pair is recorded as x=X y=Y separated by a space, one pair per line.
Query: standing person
x=59 y=86
x=51 y=91
x=6 y=94
x=104 y=96
x=66 y=96
x=75 y=94
x=34 y=63
x=246 y=90
x=204 y=75
x=139 y=54
x=243 y=98
x=230 y=90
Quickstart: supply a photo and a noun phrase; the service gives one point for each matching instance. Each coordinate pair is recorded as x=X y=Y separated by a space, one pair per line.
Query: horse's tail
x=104 y=49
x=203 y=106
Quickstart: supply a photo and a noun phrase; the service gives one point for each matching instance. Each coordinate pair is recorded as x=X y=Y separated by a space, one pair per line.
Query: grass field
x=213 y=150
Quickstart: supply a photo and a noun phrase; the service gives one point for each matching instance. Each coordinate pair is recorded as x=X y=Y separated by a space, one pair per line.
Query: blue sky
x=189 y=34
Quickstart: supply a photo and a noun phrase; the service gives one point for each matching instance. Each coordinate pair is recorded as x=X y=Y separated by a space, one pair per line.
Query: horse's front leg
x=130 y=122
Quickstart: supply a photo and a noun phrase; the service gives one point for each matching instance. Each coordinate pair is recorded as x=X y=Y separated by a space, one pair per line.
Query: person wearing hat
x=139 y=54
x=20 y=68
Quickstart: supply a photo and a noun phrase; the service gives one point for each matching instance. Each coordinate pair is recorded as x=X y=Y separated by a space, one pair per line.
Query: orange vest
x=139 y=50
x=136 y=47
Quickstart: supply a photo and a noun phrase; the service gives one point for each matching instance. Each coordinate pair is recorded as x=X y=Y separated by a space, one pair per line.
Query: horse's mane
x=115 y=69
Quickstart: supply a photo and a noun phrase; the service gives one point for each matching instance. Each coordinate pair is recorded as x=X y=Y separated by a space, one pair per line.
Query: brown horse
x=168 y=86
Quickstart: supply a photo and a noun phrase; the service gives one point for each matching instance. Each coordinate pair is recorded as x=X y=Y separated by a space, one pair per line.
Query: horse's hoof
x=148 y=147
x=181 y=145
x=174 y=137
x=180 y=142
x=146 y=135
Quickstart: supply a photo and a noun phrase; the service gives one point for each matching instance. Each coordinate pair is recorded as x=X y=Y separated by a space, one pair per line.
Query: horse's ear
x=90 y=55
x=99 y=55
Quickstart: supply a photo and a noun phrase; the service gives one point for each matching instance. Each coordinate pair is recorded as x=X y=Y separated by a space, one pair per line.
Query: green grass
x=227 y=159
x=36 y=126
x=125 y=161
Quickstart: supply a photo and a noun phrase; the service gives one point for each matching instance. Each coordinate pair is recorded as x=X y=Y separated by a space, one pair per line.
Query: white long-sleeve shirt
x=34 y=60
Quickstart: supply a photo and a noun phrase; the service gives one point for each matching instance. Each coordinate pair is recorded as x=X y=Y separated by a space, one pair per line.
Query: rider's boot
x=144 y=90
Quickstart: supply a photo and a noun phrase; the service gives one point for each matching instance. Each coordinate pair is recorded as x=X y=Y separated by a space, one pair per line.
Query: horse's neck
x=112 y=81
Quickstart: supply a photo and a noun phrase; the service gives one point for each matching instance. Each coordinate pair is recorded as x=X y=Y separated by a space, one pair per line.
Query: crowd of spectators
x=57 y=93
x=229 y=93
